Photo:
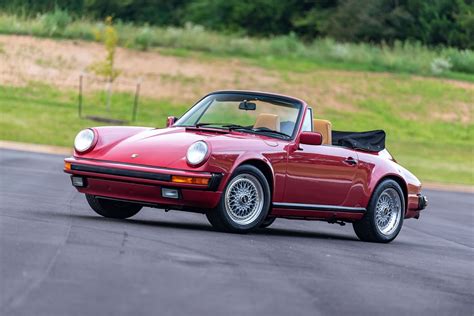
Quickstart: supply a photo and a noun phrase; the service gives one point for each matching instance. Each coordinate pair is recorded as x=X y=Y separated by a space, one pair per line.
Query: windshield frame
x=268 y=97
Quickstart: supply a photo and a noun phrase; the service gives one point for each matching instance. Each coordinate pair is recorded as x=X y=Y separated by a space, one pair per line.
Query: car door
x=320 y=174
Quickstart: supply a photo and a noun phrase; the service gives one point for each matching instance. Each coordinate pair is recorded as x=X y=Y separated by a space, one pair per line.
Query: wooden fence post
x=80 y=96
x=135 y=102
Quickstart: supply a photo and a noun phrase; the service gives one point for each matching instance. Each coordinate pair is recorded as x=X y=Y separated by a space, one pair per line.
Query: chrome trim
x=319 y=207
x=244 y=199
x=388 y=212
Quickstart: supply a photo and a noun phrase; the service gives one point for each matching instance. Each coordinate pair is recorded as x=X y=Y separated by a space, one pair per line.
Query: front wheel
x=111 y=208
x=267 y=222
x=244 y=203
x=384 y=218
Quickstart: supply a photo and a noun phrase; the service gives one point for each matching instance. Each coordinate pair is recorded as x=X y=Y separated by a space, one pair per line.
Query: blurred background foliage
x=430 y=22
x=363 y=64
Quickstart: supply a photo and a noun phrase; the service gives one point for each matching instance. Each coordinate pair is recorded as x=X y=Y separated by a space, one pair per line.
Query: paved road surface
x=58 y=258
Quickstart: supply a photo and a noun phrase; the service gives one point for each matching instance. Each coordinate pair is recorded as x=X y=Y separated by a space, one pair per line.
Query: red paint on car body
x=299 y=173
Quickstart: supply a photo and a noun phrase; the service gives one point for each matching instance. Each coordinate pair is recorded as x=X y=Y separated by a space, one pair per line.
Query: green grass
x=434 y=150
x=281 y=52
x=44 y=115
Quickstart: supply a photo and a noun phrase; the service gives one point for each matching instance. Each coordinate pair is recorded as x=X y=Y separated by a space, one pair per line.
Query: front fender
x=275 y=164
x=109 y=136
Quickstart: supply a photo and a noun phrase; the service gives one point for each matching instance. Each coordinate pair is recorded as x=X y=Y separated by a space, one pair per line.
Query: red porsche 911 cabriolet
x=245 y=158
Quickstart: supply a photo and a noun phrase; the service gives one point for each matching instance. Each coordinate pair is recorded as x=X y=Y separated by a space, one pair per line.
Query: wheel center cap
x=244 y=199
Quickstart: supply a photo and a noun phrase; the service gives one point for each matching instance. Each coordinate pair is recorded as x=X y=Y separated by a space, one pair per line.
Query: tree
x=105 y=68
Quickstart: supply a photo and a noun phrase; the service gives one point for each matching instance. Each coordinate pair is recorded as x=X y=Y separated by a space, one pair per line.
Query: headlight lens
x=84 y=140
x=197 y=152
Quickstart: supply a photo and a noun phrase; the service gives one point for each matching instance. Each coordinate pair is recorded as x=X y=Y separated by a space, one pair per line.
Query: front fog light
x=78 y=181
x=170 y=193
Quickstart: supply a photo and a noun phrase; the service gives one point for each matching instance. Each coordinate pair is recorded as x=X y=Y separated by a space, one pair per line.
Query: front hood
x=167 y=147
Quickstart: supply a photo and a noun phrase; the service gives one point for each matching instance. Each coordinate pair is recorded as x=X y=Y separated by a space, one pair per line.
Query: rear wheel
x=244 y=203
x=111 y=208
x=384 y=218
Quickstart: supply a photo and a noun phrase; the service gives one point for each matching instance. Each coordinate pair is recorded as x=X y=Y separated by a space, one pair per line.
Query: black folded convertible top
x=369 y=141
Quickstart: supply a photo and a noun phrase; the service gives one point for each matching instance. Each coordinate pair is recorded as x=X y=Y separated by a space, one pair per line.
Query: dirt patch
x=460 y=84
x=184 y=80
x=61 y=62
x=463 y=113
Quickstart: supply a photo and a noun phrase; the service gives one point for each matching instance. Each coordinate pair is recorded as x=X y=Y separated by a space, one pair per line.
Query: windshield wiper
x=235 y=126
x=208 y=124
x=267 y=130
x=224 y=125
x=231 y=127
x=258 y=130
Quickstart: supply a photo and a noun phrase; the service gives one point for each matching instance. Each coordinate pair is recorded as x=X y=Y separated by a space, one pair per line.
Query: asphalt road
x=57 y=257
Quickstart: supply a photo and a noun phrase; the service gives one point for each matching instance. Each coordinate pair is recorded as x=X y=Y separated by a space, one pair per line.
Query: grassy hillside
x=284 y=52
x=434 y=149
x=429 y=121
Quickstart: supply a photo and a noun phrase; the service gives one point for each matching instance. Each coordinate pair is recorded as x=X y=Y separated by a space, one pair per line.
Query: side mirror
x=311 y=138
x=171 y=120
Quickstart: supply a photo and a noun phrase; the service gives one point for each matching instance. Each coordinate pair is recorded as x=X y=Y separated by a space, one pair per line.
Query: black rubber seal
x=122 y=172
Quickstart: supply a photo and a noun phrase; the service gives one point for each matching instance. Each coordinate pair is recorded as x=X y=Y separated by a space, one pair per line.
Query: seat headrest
x=324 y=127
x=271 y=121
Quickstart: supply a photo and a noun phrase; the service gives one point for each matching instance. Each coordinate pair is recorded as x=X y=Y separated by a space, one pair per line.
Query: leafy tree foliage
x=432 y=22
x=109 y=37
x=106 y=68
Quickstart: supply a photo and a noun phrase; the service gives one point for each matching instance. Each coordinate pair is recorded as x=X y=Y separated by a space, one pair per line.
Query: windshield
x=245 y=112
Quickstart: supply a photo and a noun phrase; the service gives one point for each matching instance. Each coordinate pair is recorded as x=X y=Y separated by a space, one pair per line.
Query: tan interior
x=323 y=127
x=271 y=121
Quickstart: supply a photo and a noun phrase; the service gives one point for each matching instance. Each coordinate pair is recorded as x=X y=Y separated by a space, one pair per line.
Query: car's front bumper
x=145 y=184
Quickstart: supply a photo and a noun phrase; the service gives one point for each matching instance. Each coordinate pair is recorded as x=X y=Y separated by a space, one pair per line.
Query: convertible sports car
x=245 y=158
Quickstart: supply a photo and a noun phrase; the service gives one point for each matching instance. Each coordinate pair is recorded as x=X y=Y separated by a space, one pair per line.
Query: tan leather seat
x=271 y=121
x=323 y=127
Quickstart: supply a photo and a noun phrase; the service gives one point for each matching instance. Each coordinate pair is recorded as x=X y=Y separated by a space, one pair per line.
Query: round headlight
x=197 y=152
x=84 y=140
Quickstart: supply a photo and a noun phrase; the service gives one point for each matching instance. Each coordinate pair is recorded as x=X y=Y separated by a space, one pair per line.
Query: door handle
x=350 y=161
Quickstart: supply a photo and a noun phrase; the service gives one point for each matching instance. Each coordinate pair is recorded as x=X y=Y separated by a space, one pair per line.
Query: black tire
x=220 y=217
x=111 y=208
x=367 y=229
x=267 y=222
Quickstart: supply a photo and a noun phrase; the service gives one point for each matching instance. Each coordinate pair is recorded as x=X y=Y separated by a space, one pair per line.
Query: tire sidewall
x=221 y=209
x=386 y=184
x=267 y=222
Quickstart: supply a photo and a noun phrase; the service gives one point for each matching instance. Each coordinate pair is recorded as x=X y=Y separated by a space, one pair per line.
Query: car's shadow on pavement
x=301 y=234
x=276 y=232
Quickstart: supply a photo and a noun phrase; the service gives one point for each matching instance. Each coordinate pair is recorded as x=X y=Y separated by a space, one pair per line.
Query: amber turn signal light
x=67 y=166
x=190 y=180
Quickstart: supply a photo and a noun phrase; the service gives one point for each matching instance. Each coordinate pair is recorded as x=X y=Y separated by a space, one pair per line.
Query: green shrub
x=55 y=22
x=440 y=65
x=286 y=45
x=144 y=38
x=462 y=60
